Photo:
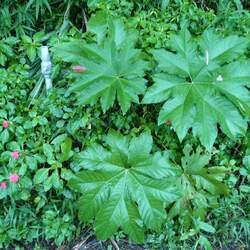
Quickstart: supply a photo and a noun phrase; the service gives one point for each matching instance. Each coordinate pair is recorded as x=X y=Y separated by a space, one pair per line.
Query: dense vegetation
x=143 y=142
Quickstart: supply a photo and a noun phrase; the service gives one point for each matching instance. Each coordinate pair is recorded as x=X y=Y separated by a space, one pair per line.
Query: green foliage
x=245 y=172
x=25 y=203
x=57 y=227
x=200 y=187
x=125 y=186
x=31 y=45
x=52 y=176
x=20 y=18
x=205 y=200
x=5 y=50
x=113 y=68
x=201 y=84
x=39 y=5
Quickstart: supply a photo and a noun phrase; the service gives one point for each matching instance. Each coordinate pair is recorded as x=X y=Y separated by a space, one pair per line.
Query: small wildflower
x=3 y=185
x=5 y=124
x=14 y=178
x=79 y=69
x=15 y=155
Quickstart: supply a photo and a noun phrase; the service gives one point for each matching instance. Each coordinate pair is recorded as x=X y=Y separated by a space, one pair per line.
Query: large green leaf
x=203 y=84
x=115 y=69
x=124 y=186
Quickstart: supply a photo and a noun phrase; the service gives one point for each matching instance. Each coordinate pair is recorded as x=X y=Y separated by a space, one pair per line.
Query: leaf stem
x=114 y=244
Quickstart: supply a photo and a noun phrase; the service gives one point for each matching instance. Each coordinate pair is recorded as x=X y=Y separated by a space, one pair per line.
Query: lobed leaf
x=202 y=86
x=114 y=68
x=124 y=186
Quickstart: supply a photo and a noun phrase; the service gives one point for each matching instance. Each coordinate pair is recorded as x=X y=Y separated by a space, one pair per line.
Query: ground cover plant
x=143 y=141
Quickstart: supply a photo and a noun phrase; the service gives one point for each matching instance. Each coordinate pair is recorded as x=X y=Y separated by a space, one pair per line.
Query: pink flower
x=14 y=178
x=79 y=69
x=5 y=124
x=3 y=185
x=15 y=155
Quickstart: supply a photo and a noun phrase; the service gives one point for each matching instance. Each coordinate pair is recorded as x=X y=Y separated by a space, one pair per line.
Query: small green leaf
x=66 y=174
x=47 y=184
x=31 y=162
x=245 y=188
x=5 y=136
x=41 y=175
x=48 y=151
x=59 y=139
x=204 y=242
x=55 y=180
x=66 y=150
x=206 y=227
x=31 y=52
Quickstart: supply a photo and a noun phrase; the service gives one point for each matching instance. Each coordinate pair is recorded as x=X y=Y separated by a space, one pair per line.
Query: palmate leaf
x=115 y=69
x=201 y=177
x=200 y=185
x=124 y=186
x=203 y=84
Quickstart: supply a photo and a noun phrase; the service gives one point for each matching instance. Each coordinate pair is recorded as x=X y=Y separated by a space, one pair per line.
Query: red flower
x=15 y=155
x=79 y=69
x=14 y=178
x=3 y=185
x=5 y=124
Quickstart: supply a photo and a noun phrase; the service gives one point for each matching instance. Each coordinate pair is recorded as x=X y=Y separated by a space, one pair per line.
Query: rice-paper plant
x=203 y=84
x=114 y=68
x=124 y=186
